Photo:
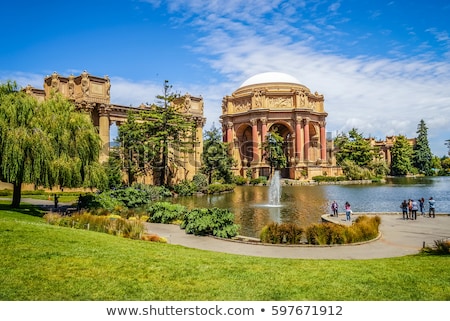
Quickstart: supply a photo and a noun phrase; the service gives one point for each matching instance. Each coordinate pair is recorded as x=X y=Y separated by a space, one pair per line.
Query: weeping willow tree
x=46 y=143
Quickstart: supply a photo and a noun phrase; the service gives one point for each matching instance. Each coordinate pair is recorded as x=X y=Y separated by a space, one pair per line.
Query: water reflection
x=304 y=205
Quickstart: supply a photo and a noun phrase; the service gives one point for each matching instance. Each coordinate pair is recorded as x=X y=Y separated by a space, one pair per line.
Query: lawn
x=45 y=262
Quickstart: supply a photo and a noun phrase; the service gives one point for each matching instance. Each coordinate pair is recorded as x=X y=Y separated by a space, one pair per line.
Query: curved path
x=398 y=238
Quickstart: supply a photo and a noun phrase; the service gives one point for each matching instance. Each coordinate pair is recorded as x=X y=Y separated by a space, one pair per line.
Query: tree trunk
x=16 y=194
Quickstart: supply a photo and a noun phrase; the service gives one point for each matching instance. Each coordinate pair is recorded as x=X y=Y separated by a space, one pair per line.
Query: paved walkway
x=398 y=238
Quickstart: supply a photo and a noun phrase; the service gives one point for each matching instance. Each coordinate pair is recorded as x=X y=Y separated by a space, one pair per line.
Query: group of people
x=347 y=207
x=411 y=207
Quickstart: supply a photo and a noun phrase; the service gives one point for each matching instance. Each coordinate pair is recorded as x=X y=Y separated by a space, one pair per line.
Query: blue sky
x=382 y=66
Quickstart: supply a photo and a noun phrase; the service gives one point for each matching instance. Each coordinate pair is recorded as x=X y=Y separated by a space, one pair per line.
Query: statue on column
x=85 y=83
x=71 y=86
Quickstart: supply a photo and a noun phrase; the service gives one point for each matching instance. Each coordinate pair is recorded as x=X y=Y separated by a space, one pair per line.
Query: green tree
x=46 y=143
x=169 y=132
x=273 y=151
x=135 y=148
x=436 y=165
x=354 y=147
x=402 y=153
x=422 y=153
x=216 y=163
x=113 y=168
x=158 y=139
x=445 y=163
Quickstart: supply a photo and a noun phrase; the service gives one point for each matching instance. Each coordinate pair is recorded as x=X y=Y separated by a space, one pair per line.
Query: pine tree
x=401 y=153
x=422 y=153
x=215 y=159
x=158 y=139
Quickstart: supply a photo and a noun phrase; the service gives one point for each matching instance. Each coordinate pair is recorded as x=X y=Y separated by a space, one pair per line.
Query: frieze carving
x=280 y=102
x=242 y=104
x=259 y=96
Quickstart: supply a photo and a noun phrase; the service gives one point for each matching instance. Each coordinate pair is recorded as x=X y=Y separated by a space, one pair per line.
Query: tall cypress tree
x=422 y=152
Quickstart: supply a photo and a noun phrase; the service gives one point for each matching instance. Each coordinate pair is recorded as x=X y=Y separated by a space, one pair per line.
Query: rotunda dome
x=270 y=77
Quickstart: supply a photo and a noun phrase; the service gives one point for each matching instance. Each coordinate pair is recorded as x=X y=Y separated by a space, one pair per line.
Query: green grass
x=45 y=262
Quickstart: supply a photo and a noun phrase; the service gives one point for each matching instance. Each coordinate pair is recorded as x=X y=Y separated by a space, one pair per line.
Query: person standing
x=404 y=207
x=414 y=209
x=409 y=209
x=422 y=206
x=432 y=205
x=348 y=211
x=334 y=208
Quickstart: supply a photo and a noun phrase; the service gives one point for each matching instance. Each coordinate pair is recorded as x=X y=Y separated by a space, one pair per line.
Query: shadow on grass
x=27 y=209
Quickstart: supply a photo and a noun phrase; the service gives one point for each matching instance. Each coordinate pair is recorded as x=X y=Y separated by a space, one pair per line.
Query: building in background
x=278 y=102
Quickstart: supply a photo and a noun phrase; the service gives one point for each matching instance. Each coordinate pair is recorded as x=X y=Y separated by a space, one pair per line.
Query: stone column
x=103 y=124
x=323 y=142
x=229 y=132
x=263 y=129
x=306 y=138
x=254 y=123
x=298 y=138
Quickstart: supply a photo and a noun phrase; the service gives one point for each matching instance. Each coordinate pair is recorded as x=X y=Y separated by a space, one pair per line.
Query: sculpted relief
x=280 y=102
x=242 y=104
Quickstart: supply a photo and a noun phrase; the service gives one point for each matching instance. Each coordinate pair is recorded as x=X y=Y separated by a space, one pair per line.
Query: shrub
x=165 y=212
x=275 y=233
x=441 y=247
x=363 y=229
x=185 y=188
x=200 y=182
x=239 y=180
x=219 y=188
x=210 y=221
x=112 y=224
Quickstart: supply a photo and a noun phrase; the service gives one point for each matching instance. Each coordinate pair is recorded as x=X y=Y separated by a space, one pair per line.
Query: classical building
x=92 y=94
x=277 y=101
x=383 y=147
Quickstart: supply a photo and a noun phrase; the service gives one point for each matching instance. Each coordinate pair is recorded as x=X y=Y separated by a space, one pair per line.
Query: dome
x=270 y=77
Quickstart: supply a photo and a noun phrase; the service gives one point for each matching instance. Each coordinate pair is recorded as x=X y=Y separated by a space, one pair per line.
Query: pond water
x=305 y=205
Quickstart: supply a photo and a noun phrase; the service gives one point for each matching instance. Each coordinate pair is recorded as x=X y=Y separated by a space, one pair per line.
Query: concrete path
x=398 y=238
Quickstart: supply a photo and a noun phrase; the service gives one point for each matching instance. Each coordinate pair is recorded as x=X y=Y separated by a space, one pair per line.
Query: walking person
x=422 y=206
x=432 y=205
x=404 y=207
x=414 y=209
x=348 y=211
x=334 y=208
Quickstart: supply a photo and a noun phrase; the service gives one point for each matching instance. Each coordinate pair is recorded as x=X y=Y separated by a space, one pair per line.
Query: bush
x=185 y=188
x=287 y=233
x=165 y=212
x=324 y=178
x=239 y=180
x=200 y=182
x=111 y=224
x=6 y=192
x=210 y=221
x=219 y=188
x=441 y=247
x=363 y=229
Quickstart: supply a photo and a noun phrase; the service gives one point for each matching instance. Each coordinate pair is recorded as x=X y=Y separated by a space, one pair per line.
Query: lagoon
x=305 y=205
